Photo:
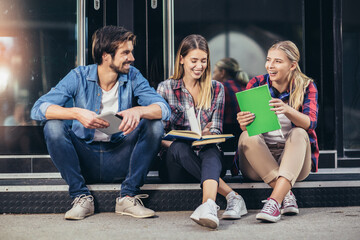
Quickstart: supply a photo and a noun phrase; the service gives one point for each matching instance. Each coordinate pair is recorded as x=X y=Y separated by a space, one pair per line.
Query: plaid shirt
x=310 y=108
x=179 y=99
x=231 y=105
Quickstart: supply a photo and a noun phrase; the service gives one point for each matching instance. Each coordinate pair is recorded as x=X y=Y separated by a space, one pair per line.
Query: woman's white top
x=279 y=136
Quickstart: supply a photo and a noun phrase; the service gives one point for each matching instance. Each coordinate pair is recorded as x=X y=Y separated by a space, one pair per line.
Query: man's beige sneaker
x=133 y=206
x=83 y=206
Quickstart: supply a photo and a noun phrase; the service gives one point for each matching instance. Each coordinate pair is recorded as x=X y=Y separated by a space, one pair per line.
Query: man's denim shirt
x=81 y=85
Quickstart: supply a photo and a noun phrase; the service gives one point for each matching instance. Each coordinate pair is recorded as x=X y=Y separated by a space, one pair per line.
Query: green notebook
x=256 y=100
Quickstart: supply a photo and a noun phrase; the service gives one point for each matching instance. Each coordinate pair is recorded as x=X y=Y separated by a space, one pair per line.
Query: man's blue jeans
x=103 y=162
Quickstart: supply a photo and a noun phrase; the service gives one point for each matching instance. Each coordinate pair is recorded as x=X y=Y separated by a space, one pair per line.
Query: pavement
x=312 y=223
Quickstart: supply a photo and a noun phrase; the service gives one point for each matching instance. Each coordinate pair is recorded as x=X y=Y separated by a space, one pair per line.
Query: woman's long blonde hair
x=298 y=80
x=189 y=43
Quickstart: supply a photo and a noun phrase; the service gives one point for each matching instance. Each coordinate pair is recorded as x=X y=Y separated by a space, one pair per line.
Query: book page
x=218 y=136
x=182 y=134
x=208 y=141
x=194 y=124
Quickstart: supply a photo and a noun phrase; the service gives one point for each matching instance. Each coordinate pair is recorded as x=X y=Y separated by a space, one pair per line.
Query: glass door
x=37 y=48
x=351 y=78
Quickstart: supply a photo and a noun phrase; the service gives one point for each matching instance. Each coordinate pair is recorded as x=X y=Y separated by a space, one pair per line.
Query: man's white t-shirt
x=109 y=102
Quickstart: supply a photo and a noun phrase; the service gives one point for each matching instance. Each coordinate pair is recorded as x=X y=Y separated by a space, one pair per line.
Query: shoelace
x=289 y=200
x=214 y=209
x=81 y=198
x=138 y=200
x=269 y=207
x=231 y=203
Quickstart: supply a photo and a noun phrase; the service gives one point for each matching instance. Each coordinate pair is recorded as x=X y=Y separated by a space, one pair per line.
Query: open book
x=195 y=134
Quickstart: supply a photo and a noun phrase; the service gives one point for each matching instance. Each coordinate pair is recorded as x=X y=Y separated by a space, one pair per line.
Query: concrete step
x=42 y=163
x=47 y=192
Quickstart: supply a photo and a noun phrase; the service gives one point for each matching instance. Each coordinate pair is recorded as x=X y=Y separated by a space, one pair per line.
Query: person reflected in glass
x=191 y=86
x=281 y=158
x=228 y=72
x=19 y=116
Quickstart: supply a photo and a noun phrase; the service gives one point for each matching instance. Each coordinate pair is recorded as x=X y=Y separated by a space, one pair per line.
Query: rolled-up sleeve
x=165 y=110
x=38 y=112
x=147 y=96
x=162 y=92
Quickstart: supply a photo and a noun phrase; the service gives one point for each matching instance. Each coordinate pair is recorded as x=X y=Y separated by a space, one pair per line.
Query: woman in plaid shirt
x=191 y=86
x=280 y=158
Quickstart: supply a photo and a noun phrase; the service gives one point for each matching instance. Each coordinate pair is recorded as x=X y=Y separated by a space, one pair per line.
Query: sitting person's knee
x=154 y=127
x=245 y=140
x=54 y=129
x=298 y=132
x=178 y=147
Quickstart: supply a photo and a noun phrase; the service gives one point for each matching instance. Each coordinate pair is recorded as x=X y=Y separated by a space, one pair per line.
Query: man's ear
x=105 y=56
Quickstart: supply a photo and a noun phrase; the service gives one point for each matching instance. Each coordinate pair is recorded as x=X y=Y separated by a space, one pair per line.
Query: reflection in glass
x=37 y=49
x=351 y=74
x=243 y=48
x=240 y=29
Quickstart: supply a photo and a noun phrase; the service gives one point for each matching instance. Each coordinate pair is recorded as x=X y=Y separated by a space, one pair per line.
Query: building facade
x=41 y=41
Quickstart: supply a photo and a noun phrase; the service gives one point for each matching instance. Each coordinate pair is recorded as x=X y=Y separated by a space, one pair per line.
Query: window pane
x=239 y=28
x=351 y=74
x=37 y=49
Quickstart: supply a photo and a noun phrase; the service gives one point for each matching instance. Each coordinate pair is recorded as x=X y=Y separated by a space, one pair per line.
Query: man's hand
x=88 y=119
x=244 y=119
x=131 y=119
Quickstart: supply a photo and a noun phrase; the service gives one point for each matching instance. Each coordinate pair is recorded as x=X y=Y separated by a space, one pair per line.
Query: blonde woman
x=191 y=86
x=282 y=161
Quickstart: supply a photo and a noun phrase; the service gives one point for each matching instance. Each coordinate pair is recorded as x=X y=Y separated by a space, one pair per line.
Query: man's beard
x=119 y=70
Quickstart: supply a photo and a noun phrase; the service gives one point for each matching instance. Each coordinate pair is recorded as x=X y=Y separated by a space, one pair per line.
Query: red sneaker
x=270 y=212
x=289 y=206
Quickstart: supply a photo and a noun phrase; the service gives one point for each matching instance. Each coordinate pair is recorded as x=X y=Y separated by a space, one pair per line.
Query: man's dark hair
x=107 y=40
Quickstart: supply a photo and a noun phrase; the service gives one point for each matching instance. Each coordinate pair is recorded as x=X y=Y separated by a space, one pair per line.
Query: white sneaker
x=235 y=207
x=83 y=206
x=206 y=214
